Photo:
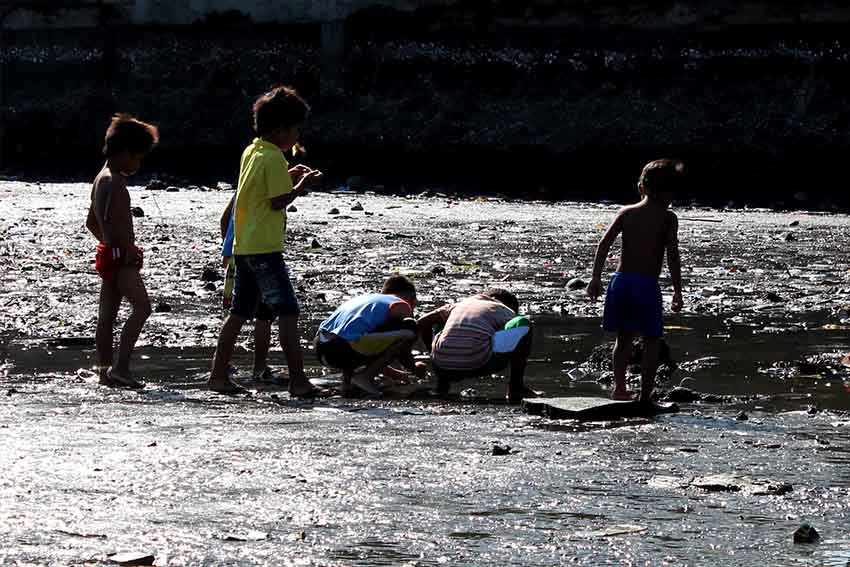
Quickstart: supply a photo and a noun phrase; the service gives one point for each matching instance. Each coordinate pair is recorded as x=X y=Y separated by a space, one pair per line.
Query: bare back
x=109 y=218
x=647 y=230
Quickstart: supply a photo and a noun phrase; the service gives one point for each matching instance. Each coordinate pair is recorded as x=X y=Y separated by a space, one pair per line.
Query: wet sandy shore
x=174 y=470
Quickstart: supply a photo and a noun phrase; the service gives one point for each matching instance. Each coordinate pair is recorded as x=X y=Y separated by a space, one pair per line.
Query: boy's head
x=278 y=115
x=127 y=141
x=503 y=296
x=661 y=179
x=401 y=287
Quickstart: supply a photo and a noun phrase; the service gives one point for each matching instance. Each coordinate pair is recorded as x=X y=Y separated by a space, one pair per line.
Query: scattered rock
x=172 y=189
x=500 y=451
x=438 y=270
x=357 y=207
x=210 y=275
x=794 y=223
x=132 y=558
x=315 y=244
x=788 y=237
x=209 y=286
x=137 y=212
x=333 y=211
x=576 y=284
x=683 y=395
x=732 y=483
x=292 y=209
x=250 y=535
x=806 y=533
x=162 y=308
x=742 y=416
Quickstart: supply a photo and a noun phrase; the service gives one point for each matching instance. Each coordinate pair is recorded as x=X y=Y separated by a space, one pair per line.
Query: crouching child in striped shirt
x=480 y=335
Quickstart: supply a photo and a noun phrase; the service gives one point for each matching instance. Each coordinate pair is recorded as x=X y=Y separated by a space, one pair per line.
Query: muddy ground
x=175 y=470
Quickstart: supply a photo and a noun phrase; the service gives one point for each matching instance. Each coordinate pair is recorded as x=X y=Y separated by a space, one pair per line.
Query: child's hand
x=678 y=302
x=297 y=172
x=594 y=288
x=131 y=258
x=311 y=177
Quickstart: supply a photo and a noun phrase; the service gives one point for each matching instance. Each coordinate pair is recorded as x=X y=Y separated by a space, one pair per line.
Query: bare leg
x=110 y=301
x=262 y=340
x=291 y=344
x=649 y=366
x=519 y=360
x=131 y=286
x=219 y=377
x=622 y=351
x=365 y=378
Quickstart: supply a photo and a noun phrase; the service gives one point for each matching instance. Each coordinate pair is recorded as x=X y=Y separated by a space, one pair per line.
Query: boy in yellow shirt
x=265 y=190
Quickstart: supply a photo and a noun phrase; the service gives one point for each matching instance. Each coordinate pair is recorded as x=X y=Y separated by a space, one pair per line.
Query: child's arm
x=425 y=325
x=674 y=262
x=225 y=218
x=594 y=289
x=307 y=179
x=92 y=225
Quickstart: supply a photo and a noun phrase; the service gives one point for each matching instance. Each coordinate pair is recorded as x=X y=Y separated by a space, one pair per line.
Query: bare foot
x=622 y=395
x=225 y=386
x=123 y=380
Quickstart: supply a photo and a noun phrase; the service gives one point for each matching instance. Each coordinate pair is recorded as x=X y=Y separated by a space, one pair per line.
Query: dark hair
x=281 y=107
x=662 y=176
x=126 y=133
x=503 y=296
x=398 y=284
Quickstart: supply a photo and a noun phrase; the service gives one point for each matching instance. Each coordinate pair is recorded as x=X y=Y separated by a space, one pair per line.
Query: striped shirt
x=466 y=341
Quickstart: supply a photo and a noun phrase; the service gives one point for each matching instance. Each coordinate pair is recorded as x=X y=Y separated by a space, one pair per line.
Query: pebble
x=500 y=451
x=210 y=275
x=806 y=533
x=172 y=189
x=357 y=207
x=315 y=244
x=292 y=209
x=333 y=211
x=162 y=308
x=795 y=223
x=209 y=286
x=742 y=416
x=137 y=212
x=576 y=284
x=132 y=558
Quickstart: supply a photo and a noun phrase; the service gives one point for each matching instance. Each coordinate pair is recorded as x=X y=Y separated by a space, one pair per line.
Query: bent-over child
x=118 y=260
x=480 y=335
x=370 y=332
x=633 y=304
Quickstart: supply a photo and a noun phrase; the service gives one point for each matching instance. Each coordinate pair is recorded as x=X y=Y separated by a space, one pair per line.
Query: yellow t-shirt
x=263 y=175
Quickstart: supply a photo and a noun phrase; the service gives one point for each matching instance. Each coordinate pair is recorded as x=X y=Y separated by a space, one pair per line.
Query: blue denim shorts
x=263 y=277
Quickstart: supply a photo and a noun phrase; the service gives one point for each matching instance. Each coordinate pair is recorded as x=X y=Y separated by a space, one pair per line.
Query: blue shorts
x=633 y=304
x=263 y=277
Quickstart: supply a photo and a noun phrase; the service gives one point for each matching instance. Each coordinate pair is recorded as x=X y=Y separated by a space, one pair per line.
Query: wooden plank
x=593 y=409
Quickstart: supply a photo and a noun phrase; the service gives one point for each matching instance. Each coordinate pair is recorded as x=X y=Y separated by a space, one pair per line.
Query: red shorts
x=109 y=259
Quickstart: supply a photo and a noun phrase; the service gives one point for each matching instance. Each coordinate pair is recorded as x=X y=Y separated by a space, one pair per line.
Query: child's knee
x=142 y=308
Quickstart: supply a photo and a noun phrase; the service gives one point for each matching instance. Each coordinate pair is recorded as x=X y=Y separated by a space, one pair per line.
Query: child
x=259 y=225
x=118 y=261
x=482 y=335
x=371 y=331
x=633 y=302
x=263 y=316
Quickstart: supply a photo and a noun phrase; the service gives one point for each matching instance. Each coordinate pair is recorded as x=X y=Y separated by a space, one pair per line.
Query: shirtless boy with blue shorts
x=633 y=303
